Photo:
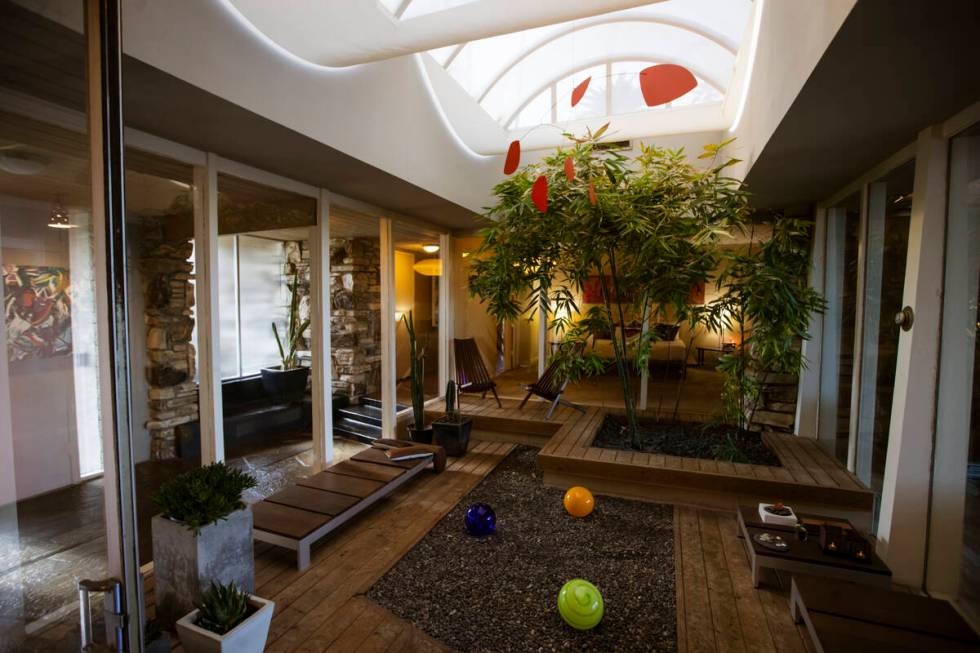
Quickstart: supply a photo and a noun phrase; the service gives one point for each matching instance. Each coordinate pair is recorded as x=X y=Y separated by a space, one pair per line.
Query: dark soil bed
x=499 y=593
x=688 y=439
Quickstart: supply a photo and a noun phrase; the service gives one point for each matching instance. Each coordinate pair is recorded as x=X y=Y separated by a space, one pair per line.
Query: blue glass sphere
x=480 y=520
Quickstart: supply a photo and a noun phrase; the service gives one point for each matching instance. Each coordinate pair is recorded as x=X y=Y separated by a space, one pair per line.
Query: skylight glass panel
x=418 y=8
x=511 y=76
x=592 y=104
x=537 y=111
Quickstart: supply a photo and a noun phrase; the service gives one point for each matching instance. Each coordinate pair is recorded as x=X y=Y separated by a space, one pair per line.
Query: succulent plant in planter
x=226 y=619
x=203 y=535
x=418 y=432
x=452 y=430
x=287 y=382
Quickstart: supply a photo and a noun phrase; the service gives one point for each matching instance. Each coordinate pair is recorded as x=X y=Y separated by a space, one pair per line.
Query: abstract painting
x=37 y=311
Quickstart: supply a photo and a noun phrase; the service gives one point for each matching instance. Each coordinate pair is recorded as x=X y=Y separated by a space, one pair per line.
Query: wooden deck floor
x=324 y=608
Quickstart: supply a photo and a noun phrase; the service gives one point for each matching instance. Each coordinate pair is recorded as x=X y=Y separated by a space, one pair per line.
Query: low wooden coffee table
x=804 y=557
x=843 y=617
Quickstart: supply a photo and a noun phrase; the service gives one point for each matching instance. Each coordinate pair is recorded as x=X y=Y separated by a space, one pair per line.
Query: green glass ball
x=580 y=604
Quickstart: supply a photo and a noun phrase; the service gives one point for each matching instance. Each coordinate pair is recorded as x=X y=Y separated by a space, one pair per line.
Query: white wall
x=41 y=390
x=792 y=38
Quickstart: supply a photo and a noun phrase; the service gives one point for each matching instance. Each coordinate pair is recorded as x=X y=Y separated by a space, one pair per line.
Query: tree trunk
x=619 y=351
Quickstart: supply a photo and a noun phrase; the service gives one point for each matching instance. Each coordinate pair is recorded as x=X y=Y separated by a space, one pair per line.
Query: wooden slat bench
x=842 y=617
x=301 y=514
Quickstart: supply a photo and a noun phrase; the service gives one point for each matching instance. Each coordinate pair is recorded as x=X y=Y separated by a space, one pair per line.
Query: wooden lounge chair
x=471 y=373
x=550 y=388
x=301 y=514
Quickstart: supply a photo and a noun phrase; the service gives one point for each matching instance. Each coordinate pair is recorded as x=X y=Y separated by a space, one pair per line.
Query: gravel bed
x=692 y=440
x=499 y=593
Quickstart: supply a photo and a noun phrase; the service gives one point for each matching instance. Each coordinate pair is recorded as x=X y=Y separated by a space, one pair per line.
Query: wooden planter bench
x=301 y=514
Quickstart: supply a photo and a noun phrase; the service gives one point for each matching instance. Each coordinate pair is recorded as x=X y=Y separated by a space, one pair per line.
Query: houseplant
x=452 y=430
x=642 y=231
x=203 y=534
x=417 y=431
x=287 y=381
x=226 y=620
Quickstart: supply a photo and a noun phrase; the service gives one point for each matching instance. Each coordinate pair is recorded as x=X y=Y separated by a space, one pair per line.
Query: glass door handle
x=115 y=617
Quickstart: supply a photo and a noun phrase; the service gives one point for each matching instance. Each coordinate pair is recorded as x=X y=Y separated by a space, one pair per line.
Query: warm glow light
x=59 y=218
x=430 y=249
x=430 y=267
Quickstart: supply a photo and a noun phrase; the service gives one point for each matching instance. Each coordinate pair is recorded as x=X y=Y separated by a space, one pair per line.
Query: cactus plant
x=452 y=430
x=452 y=403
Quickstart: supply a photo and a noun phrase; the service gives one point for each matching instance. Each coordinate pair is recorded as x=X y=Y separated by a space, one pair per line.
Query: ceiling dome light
x=430 y=249
x=429 y=267
x=21 y=164
x=59 y=218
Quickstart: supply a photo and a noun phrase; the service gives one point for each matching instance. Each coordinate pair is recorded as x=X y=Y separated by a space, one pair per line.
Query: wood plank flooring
x=323 y=608
x=717 y=607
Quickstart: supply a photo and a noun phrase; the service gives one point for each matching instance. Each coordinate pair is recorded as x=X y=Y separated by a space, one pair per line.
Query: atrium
x=489 y=325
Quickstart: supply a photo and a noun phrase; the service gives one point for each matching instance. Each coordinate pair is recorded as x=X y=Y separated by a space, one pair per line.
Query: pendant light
x=59 y=218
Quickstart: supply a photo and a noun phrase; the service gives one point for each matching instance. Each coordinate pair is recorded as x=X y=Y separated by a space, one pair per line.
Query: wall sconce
x=430 y=249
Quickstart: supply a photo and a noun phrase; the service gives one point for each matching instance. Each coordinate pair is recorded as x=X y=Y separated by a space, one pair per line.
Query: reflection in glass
x=889 y=207
x=52 y=527
x=959 y=399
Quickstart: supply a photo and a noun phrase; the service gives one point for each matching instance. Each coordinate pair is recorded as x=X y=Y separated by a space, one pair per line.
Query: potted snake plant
x=452 y=430
x=226 y=620
x=287 y=381
x=417 y=431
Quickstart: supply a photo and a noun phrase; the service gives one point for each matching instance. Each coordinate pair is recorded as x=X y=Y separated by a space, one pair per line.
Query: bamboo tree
x=648 y=227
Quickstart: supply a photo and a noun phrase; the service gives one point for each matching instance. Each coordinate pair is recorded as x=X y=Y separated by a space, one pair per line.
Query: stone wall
x=777 y=407
x=355 y=316
x=168 y=294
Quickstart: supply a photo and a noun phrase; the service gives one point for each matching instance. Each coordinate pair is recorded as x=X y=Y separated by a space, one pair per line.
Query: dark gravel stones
x=712 y=441
x=499 y=593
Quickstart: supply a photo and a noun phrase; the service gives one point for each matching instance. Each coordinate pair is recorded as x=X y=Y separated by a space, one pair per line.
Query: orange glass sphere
x=579 y=502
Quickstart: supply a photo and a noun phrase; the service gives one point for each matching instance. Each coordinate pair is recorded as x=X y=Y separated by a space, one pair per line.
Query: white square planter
x=247 y=637
x=185 y=564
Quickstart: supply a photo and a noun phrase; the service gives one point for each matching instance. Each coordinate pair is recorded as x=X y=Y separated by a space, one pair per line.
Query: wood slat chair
x=301 y=514
x=471 y=374
x=550 y=387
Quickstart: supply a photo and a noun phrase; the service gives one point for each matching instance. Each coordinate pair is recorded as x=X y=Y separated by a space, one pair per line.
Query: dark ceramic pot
x=422 y=436
x=285 y=385
x=454 y=437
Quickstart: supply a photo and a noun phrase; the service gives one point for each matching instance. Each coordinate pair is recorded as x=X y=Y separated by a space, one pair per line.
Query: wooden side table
x=804 y=557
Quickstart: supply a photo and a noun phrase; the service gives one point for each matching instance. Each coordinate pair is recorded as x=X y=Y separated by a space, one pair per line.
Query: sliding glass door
x=64 y=495
x=887 y=209
x=955 y=543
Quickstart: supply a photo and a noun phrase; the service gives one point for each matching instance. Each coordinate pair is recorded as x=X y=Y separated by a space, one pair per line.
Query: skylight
x=523 y=79
x=408 y=9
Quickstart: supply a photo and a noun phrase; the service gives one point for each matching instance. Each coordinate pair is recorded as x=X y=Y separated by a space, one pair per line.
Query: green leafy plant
x=729 y=451
x=417 y=363
x=766 y=298
x=290 y=341
x=203 y=496
x=645 y=229
x=222 y=607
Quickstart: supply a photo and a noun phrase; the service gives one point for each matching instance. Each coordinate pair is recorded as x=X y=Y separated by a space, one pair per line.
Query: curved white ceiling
x=504 y=74
x=347 y=32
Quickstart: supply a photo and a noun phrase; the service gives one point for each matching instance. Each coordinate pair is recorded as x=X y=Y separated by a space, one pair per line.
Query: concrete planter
x=185 y=564
x=247 y=637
